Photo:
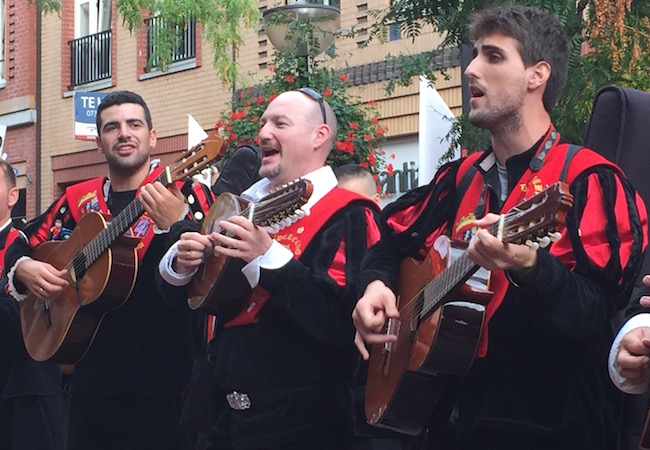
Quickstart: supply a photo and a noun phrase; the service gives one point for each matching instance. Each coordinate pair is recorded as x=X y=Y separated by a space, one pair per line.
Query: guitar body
x=220 y=288
x=63 y=329
x=406 y=377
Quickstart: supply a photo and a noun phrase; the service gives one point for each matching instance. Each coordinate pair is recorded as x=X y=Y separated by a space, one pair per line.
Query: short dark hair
x=539 y=35
x=347 y=171
x=8 y=173
x=118 y=98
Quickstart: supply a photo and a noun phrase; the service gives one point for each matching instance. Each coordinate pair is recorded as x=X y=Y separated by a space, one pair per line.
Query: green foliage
x=224 y=23
x=617 y=56
x=359 y=133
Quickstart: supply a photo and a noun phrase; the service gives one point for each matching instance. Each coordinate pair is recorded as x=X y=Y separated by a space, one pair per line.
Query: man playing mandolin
x=539 y=378
x=125 y=390
x=284 y=362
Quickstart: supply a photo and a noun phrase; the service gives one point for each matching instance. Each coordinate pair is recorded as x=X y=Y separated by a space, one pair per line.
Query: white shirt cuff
x=638 y=321
x=10 y=277
x=275 y=257
x=168 y=273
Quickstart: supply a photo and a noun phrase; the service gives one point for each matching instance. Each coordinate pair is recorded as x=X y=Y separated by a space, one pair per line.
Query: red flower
x=380 y=131
x=259 y=100
x=389 y=169
x=392 y=156
x=272 y=97
x=289 y=78
x=346 y=147
x=327 y=93
x=271 y=68
x=232 y=137
x=257 y=140
x=236 y=115
x=367 y=137
x=372 y=158
x=354 y=126
x=374 y=120
x=364 y=164
x=343 y=78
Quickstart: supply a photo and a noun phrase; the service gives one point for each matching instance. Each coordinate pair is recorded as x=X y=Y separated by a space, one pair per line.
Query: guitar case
x=618 y=129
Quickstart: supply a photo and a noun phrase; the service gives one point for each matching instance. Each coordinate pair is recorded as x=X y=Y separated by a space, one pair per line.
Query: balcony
x=182 y=44
x=90 y=59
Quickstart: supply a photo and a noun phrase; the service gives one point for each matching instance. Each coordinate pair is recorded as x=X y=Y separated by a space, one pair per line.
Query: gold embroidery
x=465 y=220
x=87 y=197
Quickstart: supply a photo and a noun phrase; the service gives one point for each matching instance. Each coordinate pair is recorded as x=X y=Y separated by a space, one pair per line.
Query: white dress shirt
x=323 y=181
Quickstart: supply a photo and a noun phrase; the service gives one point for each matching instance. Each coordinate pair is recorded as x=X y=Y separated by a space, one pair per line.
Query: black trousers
x=111 y=423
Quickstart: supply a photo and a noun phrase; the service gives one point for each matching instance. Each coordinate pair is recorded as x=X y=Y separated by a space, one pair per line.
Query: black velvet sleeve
x=239 y=172
x=576 y=304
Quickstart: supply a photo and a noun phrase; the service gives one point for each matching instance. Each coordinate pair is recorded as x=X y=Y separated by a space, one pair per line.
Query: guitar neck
x=117 y=227
x=434 y=292
x=458 y=272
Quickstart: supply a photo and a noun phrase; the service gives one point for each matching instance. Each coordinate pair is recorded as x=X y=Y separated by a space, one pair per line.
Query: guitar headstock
x=535 y=219
x=195 y=159
x=282 y=203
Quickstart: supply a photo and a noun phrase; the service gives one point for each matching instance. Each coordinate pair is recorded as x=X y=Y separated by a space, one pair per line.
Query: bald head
x=294 y=138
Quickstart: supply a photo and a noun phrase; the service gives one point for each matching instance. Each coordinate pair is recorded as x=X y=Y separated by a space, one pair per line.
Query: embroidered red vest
x=11 y=236
x=296 y=237
x=89 y=196
x=531 y=183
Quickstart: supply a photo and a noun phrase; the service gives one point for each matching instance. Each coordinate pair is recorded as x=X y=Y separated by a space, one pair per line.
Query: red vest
x=531 y=183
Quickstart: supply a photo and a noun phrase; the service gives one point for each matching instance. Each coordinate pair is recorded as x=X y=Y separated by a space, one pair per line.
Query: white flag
x=195 y=134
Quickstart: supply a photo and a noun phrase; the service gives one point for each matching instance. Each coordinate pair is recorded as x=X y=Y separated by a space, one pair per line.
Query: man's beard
x=497 y=120
x=272 y=172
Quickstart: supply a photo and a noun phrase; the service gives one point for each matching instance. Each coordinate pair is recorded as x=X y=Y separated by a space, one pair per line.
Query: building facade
x=85 y=50
x=19 y=98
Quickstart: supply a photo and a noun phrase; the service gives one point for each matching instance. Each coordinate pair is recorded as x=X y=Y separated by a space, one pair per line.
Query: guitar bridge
x=45 y=308
x=392 y=328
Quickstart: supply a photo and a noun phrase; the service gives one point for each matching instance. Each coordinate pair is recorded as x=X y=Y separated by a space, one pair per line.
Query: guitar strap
x=296 y=237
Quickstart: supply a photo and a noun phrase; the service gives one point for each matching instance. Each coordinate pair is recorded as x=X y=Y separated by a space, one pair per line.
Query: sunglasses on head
x=315 y=95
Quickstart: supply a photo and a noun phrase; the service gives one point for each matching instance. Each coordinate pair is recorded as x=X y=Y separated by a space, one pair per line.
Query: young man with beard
x=125 y=391
x=283 y=366
x=538 y=381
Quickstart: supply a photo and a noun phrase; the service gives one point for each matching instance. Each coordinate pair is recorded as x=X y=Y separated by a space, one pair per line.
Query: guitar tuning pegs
x=544 y=241
x=555 y=236
x=533 y=245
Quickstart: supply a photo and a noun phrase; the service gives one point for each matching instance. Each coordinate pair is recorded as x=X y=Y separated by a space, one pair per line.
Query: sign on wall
x=85 y=112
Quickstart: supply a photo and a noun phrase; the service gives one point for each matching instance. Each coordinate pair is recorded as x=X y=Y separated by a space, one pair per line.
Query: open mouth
x=269 y=152
x=475 y=91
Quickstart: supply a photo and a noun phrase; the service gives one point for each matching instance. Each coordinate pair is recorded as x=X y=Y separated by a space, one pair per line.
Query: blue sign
x=85 y=112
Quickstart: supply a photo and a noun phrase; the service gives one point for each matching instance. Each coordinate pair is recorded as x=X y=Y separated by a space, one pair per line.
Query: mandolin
x=219 y=287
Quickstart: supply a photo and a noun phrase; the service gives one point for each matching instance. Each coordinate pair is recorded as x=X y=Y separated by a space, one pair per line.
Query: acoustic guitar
x=101 y=266
x=219 y=287
x=441 y=320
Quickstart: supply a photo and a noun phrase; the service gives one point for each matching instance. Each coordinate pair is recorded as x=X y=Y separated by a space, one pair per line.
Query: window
x=394 y=32
x=183 y=47
x=90 y=51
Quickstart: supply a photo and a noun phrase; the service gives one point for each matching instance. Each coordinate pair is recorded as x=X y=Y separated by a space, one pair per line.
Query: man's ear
x=152 y=138
x=12 y=197
x=539 y=74
x=323 y=133
x=100 y=147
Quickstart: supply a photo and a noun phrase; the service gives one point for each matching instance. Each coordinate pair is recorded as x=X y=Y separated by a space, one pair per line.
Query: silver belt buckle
x=238 y=401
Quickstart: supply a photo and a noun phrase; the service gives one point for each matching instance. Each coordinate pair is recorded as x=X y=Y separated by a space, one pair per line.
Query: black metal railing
x=90 y=58
x=183 y=46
